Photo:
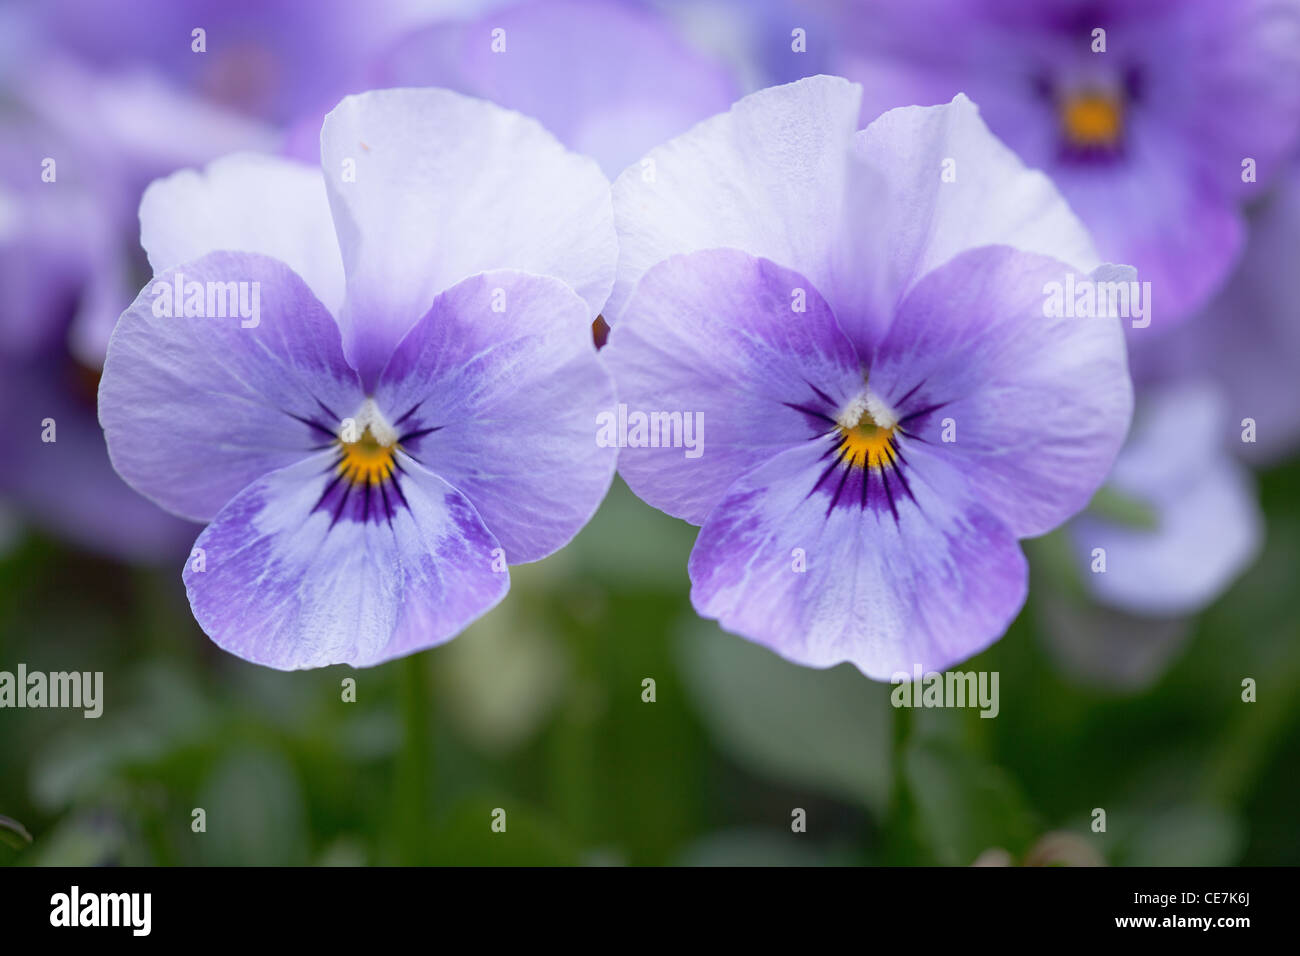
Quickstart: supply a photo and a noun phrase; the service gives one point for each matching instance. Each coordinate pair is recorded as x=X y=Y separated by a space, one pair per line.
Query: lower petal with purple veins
x=923 y=576
x=319 y=564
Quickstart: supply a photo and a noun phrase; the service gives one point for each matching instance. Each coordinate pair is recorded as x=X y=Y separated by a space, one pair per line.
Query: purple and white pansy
x=859 y=317
x=1184 y=522
x=1156 y=119
x=610 y=79
x=393 y=396
x=1247 y=340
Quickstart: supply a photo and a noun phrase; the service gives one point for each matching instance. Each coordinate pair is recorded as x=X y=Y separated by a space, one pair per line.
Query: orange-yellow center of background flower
x=1092 y=119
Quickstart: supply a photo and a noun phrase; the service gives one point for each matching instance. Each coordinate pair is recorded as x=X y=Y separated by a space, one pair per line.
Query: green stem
x=1253 y=738
x=415 y=761
x=900 y=842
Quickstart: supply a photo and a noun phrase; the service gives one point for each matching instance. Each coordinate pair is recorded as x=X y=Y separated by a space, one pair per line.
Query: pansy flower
x=1177 y=520
x=859 y=319
x=609 y=78
x=1247 y=340
x=101 y=99
x=1156 y=119
x=257 y=58
x=407 y=408
x=1176 y=523
x=65 y=267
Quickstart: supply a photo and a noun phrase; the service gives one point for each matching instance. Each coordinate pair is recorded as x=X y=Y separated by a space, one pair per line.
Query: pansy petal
x=194 y=408
x=285 y=583
x=133 y=120
x=929 y=584
x=246 y=203
x=49 y=238
x=1244 y=98
x=1034 y=407
x=1101 y=645
x=67 y=485
x=1248 y=338
x=263 y=58
x=610 y=80
x=1206 y=535
x=428 y=187
x=1208 y=527
x=766 y=177
x=1181 y=139
x=739 y=346
x=1129 y=210
x=110 y=283
x=928 y=184
x=497 y=390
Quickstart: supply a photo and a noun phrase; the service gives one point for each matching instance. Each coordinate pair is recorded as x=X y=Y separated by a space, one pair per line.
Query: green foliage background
x=538 y=710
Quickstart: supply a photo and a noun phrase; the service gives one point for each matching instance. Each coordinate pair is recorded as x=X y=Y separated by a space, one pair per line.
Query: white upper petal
x=862 y=215
x=766 y=177
x=429 y=187
x=246 y=203
x=928 y=183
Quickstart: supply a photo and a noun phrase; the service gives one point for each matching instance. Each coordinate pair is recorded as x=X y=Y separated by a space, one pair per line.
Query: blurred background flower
x=1099 y=94
x=612 y=80
x=611 y=723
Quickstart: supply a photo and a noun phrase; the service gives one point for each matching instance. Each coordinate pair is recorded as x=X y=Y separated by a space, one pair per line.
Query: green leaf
x=86 y=840
x=467 y=836
x=754 y=847
x=825 y=729
x=964 y=805
x=1113 y=505
x=254 y=812
x=1186 y=836
x=1055 y=565
x=13 y=833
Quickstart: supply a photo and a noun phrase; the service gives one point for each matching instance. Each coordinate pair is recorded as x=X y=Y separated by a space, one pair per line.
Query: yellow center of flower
x=366 y=461
x=1092 y=119
x=866 y=444
x=867 y=427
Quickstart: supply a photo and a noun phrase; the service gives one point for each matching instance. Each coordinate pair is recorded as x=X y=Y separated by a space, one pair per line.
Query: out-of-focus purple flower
x=608 y=78
x=764 y=44
x=139 y=88
x=58 y=474
x=100 y=99
x=61 y=264
x=1101 y=646
x=114 y=135
x=1182 y=522
x=50 y=233
x=279 y=61
x=887 y=405
x=53 y=237
x=1155 y=119
x=410 y=406
x=1248 y=338
x=1175 y=524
